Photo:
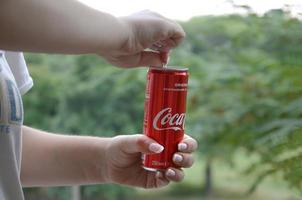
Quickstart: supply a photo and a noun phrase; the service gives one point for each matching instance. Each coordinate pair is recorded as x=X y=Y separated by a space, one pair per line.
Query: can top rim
x=169 y=68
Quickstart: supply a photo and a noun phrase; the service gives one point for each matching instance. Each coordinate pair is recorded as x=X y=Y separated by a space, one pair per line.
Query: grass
x=229 y=184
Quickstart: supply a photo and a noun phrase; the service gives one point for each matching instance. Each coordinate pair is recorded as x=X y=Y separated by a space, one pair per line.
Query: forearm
x=57 y=26
x=56 y=160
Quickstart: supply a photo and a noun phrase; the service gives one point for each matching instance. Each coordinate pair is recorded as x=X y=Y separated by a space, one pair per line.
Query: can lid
x=170 y=68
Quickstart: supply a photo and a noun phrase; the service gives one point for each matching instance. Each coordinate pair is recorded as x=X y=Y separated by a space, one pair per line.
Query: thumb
x=149 y=58
x=140 y=144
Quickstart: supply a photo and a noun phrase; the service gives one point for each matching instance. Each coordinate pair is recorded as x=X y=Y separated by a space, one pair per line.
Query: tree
x=244 y=93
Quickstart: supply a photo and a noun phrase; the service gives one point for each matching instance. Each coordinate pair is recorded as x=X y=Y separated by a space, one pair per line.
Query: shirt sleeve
x=19 y=69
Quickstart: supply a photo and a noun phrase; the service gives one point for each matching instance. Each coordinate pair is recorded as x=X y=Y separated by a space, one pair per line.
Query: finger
x=152 y=179
x=174 y=174
x=158 y=46
x=168 y=33
x=139 y=144
x=187 y=145
x=163 y=46
x=161 y=180
x=148 y=58
x=168 y=45
x=164 y=57
x=144 y=58
x=179 y=36
x=176 y=35
x=183 y=159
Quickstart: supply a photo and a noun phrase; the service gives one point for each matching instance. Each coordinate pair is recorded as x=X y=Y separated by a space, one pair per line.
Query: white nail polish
x=170 y=172
x=182 y=146
x=177 y=158
x=156 y=148
x=159 y=174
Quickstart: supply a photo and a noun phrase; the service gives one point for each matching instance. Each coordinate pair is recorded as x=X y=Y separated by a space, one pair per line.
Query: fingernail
x=156 y=148
x=171 y=172
x=159 y=174
x=182 y=146
x=177 y=158
x=168 y=59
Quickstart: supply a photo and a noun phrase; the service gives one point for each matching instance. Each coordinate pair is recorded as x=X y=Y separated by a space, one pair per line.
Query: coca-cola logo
x=165 y=117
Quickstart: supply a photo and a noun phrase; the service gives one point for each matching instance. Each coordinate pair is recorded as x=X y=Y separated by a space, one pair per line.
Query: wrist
x=100 y=164
x=118 y=39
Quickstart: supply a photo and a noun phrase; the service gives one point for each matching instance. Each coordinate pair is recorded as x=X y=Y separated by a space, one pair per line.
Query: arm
x=57 y=26
x=57 y=160
x=67 y=26
x=52 y=159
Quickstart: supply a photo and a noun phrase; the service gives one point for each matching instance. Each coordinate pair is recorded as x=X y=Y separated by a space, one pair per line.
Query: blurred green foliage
x=245 y=92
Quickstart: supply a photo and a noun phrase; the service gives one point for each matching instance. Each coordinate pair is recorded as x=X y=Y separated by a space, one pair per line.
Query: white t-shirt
x=14 y=82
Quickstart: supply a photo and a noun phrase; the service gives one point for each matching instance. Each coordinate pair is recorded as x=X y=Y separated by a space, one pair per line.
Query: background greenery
x=244 y=108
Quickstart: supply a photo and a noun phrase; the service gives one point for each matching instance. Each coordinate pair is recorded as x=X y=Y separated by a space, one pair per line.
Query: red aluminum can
x=165 y=108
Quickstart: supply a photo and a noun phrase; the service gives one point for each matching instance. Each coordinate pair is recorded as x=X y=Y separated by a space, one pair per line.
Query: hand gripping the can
x=124 y=164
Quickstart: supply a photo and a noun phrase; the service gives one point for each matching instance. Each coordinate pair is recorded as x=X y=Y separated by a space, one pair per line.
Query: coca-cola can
x=165 y=111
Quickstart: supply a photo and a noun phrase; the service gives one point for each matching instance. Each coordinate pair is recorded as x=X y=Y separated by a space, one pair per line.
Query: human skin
x=56 y=160
x=69 y=27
